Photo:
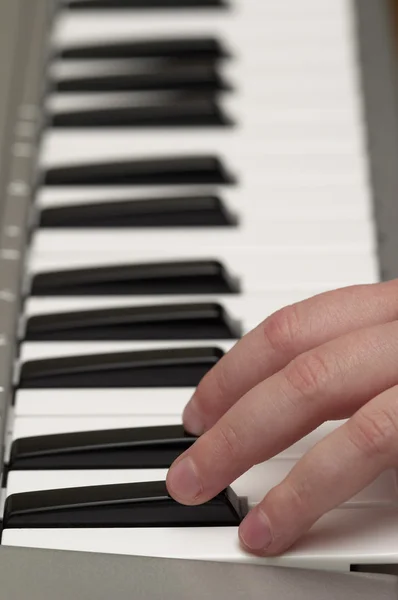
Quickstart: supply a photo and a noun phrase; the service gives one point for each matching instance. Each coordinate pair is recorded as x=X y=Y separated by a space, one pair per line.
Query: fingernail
x=192 y=420
x=255 y=531
x=183 y=480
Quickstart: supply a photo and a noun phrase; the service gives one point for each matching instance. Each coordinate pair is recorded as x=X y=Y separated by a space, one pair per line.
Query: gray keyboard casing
x=45 y=575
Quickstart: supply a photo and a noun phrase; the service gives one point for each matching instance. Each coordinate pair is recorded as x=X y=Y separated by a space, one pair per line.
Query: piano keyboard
x=195 y=165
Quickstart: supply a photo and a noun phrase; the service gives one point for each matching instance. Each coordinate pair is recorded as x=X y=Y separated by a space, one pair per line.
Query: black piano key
x=123 y=505
x=145 y=4
x=133 y=448
x=202 y=113
x=206 y=277
x=195 y=170
x=180 y=76
x=165 y=322
x=179 y=367
x=195 y=211
x=182 y=49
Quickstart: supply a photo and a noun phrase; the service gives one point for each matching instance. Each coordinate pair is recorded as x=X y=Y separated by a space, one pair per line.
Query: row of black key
x=141 y=504
x=144 y=4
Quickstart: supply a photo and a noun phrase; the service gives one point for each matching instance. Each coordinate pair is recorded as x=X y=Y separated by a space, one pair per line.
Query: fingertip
x=183 y=481
x=255 y=532
x=192 y=419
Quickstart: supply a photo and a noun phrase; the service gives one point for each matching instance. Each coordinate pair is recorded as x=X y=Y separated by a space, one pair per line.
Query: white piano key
x=258 y=270
x=323 y=139
x=242 y=102
x=252 y=113
x=287 y=9
x=34 y=426
x=339 y=539
x=19 y=482
x=241 y=150
x=243 y=25
x=73 y=28
x=137 y=402
x=290 y=132
x=327 y=234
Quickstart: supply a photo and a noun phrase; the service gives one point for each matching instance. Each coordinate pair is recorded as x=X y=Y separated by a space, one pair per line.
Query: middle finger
x=280 y=338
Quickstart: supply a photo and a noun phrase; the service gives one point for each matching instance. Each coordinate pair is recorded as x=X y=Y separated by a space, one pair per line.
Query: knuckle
x=212 y=389
x=309 y=373
x=374 y=432
x=282 y=329
x=287 y=497
x=230 y=443
x=298 y=497
x=214 y=384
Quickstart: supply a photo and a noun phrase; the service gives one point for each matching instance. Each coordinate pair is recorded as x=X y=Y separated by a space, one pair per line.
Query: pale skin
x=331 y=357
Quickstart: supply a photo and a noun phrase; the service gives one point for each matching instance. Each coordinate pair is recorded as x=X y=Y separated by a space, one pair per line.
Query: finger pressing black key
x=125 y=505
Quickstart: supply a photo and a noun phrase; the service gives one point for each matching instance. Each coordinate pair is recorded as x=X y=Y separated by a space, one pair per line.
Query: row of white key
x=243 y=15
x=276 y=145
x=375 y=503
x=156 y=407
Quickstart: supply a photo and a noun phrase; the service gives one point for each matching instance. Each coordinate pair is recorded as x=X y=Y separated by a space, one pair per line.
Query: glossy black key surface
x=195 y=170
x=180 y=76
x=194 y=211
x=182 y=49
x=133 y=448
x=191 y=277
x=145 y=4
x=122 y=505
x=177 y=367
x=168 y=322
x=202 y=113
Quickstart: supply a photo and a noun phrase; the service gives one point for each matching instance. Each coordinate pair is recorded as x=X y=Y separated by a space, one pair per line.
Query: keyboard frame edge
x=23 y=44
x=378 y=59
x=68 y=575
